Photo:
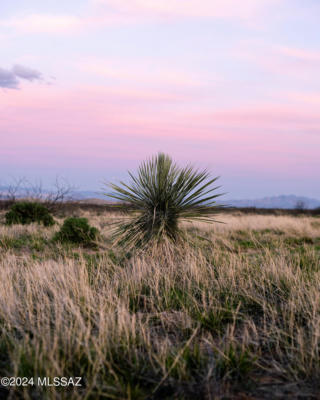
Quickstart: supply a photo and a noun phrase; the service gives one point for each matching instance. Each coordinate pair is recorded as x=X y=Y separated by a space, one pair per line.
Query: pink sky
x=101 y=85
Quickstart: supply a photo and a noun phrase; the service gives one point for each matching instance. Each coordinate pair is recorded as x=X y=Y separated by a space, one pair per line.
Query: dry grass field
x=232 y=314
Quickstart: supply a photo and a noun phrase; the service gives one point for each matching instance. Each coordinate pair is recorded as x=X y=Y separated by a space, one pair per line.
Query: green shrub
x=28 y=212
x=78 y=231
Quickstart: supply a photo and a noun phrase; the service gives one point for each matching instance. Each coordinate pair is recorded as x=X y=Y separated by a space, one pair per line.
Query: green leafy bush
x=28 y=212
x=78 y=231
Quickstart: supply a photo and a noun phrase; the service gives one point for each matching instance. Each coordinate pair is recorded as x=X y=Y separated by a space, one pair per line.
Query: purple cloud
x=9 y=78
x=26 y=73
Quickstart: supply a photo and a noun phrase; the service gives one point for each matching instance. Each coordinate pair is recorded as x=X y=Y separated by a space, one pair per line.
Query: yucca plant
x=161 y=195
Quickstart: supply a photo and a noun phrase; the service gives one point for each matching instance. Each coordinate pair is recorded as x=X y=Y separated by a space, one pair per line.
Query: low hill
x=285 y=202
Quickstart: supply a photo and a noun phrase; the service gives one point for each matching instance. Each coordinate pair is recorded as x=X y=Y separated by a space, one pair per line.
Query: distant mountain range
x=283 y=201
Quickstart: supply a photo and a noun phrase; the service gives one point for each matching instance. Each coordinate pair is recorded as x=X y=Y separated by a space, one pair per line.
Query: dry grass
x=233 y=313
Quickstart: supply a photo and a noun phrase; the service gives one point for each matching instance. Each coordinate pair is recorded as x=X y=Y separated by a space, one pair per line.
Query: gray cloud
x=26 y=73
x=9 y=78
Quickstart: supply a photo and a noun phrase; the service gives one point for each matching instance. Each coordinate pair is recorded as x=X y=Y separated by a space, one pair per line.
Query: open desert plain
x=159 y=200
x=232 y=312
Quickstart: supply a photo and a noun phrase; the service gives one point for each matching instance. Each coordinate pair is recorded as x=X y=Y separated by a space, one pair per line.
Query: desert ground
x=231 y=313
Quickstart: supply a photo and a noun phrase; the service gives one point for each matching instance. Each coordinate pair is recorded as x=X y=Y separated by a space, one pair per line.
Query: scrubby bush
x=28 y=212
x=78 y=231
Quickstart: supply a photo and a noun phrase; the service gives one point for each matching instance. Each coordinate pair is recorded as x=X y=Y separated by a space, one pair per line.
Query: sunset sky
x=89 y=88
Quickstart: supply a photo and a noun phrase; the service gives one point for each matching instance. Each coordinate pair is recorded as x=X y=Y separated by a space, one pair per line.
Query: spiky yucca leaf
x=162 y=194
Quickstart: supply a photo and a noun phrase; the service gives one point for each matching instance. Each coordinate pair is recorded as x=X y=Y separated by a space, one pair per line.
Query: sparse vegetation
x=233 y=316
x=26 y=212
x=162 y=194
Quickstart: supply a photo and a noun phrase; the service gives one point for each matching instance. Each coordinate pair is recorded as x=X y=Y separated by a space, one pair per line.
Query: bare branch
x=61 y=193
x=24 y=189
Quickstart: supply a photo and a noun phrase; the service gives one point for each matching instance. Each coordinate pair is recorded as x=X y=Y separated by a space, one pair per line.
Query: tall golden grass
x=233 y=312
